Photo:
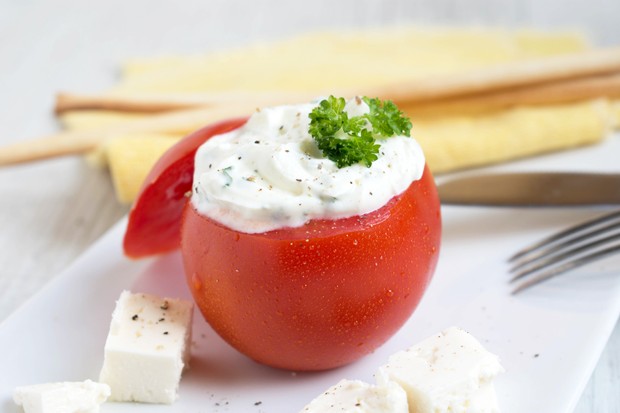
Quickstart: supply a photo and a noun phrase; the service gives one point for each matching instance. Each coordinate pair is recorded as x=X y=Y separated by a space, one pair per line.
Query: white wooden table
x=52 y=211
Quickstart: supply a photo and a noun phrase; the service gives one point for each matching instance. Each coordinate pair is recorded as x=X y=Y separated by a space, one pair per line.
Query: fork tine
x=565 y=233
x=552 y=249
x=566 y=267
x=542 y=262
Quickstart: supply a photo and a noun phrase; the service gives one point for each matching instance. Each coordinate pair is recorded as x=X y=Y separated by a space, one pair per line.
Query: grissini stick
x=156 y=103
x=507 y=76
x=75 y=143
x=497 y=78
x=604 y=86
x=540 y=94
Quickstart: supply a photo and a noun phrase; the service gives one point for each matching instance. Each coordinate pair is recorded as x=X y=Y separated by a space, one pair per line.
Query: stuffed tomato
x=321 y=295
x=301 y=260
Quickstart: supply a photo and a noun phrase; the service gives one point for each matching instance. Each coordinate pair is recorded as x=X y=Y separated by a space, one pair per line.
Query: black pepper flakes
x=258 y=403
x=165 y=333
x=165 y=305
x=135 y=317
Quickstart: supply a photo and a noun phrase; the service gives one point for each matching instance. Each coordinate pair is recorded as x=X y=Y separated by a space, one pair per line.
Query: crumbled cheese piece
x=448 y=372
x=354 y=396
x=65 y=397
x=147 y=348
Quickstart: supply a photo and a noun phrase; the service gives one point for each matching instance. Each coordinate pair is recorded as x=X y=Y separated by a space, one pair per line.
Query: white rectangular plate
x=549 y=338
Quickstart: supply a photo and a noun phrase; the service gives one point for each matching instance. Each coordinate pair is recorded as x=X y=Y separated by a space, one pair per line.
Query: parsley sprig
x=348 y=141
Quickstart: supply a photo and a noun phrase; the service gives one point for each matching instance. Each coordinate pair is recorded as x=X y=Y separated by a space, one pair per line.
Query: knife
x=532 y=189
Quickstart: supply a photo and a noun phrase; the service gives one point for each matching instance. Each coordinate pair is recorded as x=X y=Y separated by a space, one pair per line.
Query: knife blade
x=532 y=189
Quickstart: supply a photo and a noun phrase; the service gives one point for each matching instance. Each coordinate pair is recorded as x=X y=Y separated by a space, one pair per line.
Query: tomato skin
x=155 y=218
x=321 y=295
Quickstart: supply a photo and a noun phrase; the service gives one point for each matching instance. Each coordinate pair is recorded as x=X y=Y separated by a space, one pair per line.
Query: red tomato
x=308 y=298
x=317 y=296
x=155 y=218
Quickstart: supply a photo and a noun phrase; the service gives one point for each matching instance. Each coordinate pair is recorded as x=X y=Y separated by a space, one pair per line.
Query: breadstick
x=544 y=94
x=539 y=94
x=164 y=103
x=73 y=143
x=532 y=72
x=501 y=78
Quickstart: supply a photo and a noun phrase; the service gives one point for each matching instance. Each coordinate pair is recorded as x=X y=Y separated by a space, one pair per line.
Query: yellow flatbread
x=130 y=159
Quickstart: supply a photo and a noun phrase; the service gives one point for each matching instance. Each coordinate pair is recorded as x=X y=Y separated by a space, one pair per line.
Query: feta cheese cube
x=147 y=348
x=448 y=372
x=355 y=396
x=65 y=397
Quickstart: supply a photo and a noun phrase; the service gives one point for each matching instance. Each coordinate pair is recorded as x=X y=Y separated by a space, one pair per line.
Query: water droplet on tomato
x=389 y=293
x=196 y=282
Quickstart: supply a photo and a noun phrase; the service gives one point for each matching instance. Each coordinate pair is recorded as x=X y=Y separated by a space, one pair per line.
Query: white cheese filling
x=270 y=174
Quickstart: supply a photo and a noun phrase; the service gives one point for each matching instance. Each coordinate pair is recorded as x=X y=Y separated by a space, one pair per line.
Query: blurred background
x=51 y=211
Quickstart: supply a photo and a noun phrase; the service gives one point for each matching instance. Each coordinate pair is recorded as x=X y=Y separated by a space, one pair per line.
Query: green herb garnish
x=348 y=141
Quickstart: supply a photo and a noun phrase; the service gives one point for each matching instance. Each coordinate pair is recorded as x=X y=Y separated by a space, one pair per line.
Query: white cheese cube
x=147 y=348
x=65 y=397
x=355 y=396
x=448 y=372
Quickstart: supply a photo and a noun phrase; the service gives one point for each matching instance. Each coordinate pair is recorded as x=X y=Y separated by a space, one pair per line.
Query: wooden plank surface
x=52 y=211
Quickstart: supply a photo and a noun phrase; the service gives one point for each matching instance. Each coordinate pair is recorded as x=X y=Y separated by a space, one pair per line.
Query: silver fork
x=563 y=251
